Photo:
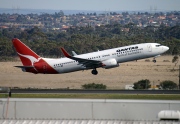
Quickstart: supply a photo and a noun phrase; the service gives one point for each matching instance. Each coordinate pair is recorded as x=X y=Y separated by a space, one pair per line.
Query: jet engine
x=110 y=63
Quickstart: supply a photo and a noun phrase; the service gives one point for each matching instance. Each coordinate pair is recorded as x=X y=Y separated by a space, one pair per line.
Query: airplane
x=107 y=59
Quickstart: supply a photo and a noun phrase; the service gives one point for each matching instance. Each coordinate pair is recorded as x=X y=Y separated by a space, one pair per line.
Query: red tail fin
x=27 y=56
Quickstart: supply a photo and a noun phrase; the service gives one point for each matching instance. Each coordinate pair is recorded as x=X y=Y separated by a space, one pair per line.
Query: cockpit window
x=158 y=45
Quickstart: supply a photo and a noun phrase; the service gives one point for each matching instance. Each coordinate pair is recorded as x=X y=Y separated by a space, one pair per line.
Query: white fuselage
x=120 y=54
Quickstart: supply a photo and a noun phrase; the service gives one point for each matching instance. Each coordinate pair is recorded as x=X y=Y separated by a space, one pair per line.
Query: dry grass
x=115 y=78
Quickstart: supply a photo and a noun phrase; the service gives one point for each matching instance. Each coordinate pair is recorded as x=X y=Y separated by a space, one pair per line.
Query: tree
x=142 y=84
x=168 y=85
x=94 y=14
x=61 y=13
x=175 y=50
x=175 y=60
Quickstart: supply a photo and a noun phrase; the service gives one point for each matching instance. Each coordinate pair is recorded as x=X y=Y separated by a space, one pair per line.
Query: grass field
x=97 y=96
x=115 y=78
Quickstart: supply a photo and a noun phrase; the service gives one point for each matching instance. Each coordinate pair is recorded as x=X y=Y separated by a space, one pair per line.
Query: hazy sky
x=109 y=5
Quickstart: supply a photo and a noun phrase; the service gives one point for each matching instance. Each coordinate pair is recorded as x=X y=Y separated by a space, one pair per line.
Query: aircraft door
x=149 y=48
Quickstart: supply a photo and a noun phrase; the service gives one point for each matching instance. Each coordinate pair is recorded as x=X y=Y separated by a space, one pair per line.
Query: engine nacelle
x=110 y=63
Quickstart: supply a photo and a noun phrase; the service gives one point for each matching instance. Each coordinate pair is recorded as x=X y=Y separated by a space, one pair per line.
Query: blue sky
x=95 y=5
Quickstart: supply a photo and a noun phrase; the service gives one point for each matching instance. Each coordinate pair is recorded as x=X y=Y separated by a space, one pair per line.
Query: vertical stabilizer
x=27 y=56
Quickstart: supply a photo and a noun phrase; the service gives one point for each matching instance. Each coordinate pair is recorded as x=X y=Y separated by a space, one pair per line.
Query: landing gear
x=94 y=72
x=154 y=60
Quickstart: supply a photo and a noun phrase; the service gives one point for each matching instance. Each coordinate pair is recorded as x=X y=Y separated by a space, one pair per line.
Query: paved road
x=96 y=91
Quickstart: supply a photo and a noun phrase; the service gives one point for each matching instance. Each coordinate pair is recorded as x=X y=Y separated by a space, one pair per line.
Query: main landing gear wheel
x=94 y=72
x=154 y=60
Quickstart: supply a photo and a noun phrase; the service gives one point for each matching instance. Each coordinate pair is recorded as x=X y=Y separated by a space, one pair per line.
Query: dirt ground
x=115 y=78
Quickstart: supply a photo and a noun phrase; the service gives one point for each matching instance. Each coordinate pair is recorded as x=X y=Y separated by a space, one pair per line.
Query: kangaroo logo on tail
x=31 y=58
x=27 y=56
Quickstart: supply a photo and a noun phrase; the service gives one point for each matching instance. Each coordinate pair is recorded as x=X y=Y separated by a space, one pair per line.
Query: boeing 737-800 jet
x=109 y=58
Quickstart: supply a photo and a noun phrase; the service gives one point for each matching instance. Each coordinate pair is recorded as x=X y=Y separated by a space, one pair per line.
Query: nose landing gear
x=94 y=72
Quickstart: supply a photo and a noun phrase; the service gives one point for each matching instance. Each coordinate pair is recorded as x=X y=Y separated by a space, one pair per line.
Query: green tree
x=142 y=84
x=175 y=50
x=175 y=60
x=168 y=85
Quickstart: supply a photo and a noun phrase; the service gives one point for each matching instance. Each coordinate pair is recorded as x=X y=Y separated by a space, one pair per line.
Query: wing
x=85 y=62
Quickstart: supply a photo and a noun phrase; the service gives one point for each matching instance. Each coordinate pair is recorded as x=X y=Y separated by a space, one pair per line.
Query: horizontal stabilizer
x=24 y=67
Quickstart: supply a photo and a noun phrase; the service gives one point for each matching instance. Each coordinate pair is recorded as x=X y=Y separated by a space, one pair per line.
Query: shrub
x=168 y=85
x=142 y=84
x=93 y=86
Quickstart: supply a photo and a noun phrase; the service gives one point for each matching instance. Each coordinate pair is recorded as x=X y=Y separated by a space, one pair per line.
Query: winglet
x=74 y=54
x=65 y=53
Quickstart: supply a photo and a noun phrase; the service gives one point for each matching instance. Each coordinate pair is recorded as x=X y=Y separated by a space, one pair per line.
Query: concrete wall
x=84 y=109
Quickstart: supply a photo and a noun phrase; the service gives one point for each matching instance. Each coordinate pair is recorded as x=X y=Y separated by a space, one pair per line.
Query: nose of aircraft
x=166 y=48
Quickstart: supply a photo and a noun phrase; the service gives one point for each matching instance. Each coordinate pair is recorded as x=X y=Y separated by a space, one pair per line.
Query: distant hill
x=66 y=12
x=40 y=11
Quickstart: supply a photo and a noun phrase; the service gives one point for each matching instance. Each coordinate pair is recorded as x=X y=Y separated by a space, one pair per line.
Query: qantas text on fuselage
x=107 y=59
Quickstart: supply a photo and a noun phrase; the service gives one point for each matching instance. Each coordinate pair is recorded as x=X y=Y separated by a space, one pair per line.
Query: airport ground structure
x=108 y=110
